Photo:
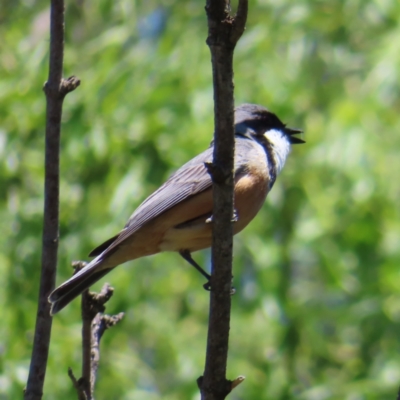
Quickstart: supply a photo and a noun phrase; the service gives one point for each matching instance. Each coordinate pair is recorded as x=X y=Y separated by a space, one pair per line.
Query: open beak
x=292 y=131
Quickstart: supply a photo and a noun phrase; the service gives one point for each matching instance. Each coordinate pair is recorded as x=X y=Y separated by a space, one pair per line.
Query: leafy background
x=317 y=310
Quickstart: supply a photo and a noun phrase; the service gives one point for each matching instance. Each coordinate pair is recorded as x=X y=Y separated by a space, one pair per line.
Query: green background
x=317 y=310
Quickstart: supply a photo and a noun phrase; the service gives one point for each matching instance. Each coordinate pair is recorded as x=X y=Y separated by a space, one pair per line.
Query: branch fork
x=95 y=323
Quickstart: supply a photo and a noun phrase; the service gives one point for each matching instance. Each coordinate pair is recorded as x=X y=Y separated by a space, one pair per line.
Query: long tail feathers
x=74 y=286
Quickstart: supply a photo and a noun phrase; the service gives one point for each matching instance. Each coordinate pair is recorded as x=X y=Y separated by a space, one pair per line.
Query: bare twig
x=55 y=89
x=77 y=385
x=100 y=324
x=94 y=324
x=223 y=33
x=237 y=381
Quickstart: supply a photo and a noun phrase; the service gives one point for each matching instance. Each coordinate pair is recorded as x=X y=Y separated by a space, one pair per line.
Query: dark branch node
x=69 y=84
x=48 y=89
x=58 y=91
x=200 y=382
x=218 y=174
x=94 y=302
x=51 y=240
x=217 y=11
x=224 y=388
x=224 y=29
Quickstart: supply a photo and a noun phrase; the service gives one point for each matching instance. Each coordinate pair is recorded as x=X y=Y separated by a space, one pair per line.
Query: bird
x=177 y=217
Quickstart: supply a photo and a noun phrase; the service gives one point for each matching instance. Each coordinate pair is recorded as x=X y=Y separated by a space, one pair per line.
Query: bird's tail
x=74 y=286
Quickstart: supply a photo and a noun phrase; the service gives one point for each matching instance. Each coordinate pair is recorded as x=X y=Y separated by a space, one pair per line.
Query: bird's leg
x=188 y=257
x=235 y=218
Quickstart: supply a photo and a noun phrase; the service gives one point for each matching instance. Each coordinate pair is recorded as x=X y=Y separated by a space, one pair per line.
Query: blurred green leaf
x=316 y=314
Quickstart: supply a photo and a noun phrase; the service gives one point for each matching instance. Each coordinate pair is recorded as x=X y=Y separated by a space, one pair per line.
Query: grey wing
x=190 y=179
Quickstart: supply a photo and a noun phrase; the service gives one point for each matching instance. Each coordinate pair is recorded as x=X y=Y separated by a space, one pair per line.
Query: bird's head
x=258 y=123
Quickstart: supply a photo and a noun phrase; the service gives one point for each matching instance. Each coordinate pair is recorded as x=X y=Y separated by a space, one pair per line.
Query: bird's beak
x=292 y=131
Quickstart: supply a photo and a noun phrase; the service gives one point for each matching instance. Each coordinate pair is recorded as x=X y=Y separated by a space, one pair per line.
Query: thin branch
x=223 y=33
x=94 y=324
x=238 y=381
x=55 y=89
x=77 y=385
x=100 y=324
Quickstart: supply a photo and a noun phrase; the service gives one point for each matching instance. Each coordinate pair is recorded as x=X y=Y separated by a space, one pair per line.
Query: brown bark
x=55 y=89
x=94 y=324
x=223 y=33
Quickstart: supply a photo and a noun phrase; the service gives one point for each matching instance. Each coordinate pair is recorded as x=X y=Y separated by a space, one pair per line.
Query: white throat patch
x=280 y=145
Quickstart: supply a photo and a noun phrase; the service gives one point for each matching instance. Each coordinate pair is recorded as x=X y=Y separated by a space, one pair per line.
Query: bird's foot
x=235 y=218
x=207 y=286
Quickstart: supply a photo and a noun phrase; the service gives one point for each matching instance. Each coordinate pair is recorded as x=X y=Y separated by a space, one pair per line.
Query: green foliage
x=317 y=309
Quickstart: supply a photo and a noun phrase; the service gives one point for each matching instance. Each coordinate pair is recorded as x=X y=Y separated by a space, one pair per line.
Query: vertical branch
x=223 y=33
x=55 y=89
x=95 y=323
x=87 y=318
